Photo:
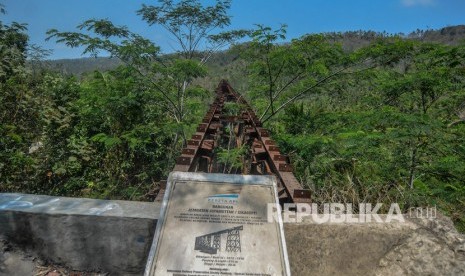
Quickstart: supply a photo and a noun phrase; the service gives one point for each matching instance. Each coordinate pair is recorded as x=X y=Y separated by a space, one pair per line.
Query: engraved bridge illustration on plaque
x=211 y=243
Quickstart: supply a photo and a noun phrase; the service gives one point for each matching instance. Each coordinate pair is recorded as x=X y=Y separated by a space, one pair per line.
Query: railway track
x=230 y=125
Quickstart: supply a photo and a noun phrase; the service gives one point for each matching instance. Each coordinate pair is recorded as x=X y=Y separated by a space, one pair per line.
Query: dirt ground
x=15 y=262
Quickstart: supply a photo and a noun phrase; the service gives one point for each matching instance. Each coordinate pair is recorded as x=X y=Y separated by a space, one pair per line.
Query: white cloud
x=411 y=3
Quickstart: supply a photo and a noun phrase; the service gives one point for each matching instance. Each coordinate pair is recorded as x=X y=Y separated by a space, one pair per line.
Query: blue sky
x=301 y=16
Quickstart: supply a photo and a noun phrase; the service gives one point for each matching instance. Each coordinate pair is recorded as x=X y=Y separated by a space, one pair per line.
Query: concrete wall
x=84 y=234
x=115 y=236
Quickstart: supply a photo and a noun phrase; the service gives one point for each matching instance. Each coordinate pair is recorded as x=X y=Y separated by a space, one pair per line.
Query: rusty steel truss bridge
x=231 y=125
x=208 y=245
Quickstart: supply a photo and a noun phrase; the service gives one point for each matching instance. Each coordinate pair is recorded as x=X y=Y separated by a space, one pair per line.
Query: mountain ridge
x=351 y=40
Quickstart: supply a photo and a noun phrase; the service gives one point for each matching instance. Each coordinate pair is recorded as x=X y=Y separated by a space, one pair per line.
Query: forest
x=364 y=116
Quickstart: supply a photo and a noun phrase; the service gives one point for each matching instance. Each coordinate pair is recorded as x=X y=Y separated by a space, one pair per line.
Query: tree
x=36 y=56
x=13 y=47
x=133 y=116
x=430 y=75
x=19 y=119
x=194 y=27
x=288 y=72
x=13 y=51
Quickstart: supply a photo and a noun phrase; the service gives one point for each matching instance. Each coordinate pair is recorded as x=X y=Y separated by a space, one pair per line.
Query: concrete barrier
x=115 y=236
x=84 y=234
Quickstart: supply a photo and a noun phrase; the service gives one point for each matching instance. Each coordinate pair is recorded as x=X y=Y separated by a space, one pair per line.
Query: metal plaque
x=217 y=224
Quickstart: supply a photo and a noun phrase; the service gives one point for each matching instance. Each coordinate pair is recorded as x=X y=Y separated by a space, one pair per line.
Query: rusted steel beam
x=187 y=151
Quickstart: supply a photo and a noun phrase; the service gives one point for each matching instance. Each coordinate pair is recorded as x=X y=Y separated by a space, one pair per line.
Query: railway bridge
x=228 y=128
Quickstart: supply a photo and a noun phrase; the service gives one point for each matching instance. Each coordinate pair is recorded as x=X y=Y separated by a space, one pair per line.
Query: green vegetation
x=384 y=123
x=365 y=117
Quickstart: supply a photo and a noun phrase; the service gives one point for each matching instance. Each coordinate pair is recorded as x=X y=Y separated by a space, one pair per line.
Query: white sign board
x=217 y=224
